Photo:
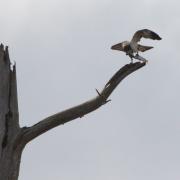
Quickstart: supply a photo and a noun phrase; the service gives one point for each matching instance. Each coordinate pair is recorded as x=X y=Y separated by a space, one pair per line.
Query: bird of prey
x=133 y=47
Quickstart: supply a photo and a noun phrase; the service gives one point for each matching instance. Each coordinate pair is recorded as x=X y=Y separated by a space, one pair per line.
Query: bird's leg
x=131 y=60
x=137 y=53
x=131 y=55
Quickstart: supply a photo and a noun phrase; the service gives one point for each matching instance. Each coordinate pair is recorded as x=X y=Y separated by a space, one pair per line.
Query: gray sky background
x=62 y=51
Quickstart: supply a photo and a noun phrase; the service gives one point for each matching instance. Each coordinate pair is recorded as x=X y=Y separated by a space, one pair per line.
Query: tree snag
x=13 y=138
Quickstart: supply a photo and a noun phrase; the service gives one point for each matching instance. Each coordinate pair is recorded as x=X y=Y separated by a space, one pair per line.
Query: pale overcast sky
x=62 y=51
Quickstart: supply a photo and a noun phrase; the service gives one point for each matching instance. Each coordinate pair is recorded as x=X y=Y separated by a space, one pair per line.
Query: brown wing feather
x=145 y=33
x=143 y=48
x=118 y=47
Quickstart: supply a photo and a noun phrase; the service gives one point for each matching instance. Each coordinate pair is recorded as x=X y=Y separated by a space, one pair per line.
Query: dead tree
x=13 y=138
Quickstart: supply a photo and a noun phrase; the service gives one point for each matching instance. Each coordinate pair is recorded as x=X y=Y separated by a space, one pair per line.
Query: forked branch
x=82 y=109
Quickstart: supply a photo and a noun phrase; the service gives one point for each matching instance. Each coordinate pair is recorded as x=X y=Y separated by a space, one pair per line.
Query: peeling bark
x=13 y=138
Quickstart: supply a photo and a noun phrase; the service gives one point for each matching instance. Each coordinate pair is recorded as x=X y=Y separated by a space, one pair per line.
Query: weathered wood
x=9 y=120
x=13 y=138
x=82 y=109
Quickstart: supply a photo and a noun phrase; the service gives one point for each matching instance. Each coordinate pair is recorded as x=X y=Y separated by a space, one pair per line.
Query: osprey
x=133 y=47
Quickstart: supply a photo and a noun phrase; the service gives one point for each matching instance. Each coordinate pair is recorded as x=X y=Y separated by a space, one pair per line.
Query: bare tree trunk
x=13 y=138
x=10 y=153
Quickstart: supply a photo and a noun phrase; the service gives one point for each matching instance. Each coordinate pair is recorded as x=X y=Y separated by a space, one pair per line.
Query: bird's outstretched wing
x=118 y=47
x=123 y=46
x=143 y=48
x=145 y=33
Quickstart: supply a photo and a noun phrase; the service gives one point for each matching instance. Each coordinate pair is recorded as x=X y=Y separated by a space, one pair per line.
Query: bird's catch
x=132 y=47
x=140 y=58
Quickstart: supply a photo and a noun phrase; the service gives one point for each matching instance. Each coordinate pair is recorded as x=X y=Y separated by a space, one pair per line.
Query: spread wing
x=118 y=47
x=123 y=46
x=143 y=48
x=145 y=33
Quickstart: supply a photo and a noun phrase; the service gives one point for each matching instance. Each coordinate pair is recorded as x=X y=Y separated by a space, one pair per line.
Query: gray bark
x=14 y=138
x=10 y=151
